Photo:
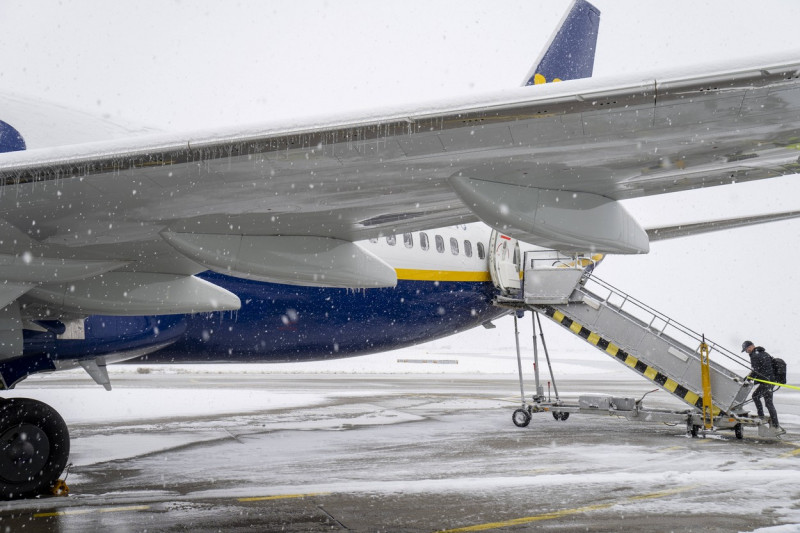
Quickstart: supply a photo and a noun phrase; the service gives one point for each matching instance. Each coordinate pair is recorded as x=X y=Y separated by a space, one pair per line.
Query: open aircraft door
x=504 y=262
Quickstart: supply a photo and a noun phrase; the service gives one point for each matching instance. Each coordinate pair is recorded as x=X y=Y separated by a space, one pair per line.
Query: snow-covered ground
x=400 y=441
x=80 y=401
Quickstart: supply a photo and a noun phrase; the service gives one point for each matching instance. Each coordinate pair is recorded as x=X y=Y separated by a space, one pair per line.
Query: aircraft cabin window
x=423 y=240
x=467 y=248
x=481 y=252
x=439 y=244
x=408 y=240
x=454 y=245
x=391 y=240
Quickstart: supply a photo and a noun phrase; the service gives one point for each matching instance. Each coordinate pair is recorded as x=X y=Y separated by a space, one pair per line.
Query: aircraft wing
x=546 y=164
x=663 y=233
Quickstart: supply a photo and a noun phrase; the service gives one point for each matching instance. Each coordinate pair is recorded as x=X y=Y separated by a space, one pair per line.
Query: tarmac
x=408 y=453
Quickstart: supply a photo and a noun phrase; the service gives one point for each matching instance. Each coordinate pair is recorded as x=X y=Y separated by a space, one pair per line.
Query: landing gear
x=560 y=416
x=34 y=448
x=521 y=418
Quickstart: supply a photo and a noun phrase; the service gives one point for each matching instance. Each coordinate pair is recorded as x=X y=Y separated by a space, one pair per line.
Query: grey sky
x=190 y=64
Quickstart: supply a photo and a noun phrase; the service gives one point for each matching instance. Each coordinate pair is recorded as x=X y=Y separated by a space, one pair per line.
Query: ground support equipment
x=670 y=355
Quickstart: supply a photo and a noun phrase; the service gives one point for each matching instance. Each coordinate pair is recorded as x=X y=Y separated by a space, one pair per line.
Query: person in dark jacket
x=761 y=368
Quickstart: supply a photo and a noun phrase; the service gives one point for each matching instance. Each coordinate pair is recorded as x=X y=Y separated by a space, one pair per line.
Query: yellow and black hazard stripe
x=615 y=351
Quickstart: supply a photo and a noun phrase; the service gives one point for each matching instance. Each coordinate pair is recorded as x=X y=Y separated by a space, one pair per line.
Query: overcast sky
x=183 y=65
x=191 y=64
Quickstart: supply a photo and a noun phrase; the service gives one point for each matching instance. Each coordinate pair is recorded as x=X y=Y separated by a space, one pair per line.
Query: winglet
x=570 y=52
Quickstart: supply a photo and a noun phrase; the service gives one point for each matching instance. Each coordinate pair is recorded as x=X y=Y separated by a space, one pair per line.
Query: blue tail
x=10 y=139
x=570 y=53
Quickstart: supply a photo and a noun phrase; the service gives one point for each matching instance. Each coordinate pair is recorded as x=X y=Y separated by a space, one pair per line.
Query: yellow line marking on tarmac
x=529 y=519
x=565 y=512
x=792 y=453
x=87 y=511
x=282 y=497
x=670 y=449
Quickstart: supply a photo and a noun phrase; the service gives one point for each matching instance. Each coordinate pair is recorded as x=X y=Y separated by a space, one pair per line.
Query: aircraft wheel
x=34 y=447
x=521 y=418
x=737 y=430
x=560 y=416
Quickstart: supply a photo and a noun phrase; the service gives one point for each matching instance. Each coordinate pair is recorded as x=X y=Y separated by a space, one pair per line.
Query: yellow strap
x=776 y=384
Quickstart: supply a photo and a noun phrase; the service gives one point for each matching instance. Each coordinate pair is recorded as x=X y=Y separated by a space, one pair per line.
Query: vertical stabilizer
x=570 y=52
x=10 y=139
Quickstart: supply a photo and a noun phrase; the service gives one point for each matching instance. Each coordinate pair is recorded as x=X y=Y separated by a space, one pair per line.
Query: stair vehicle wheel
x=34 y=448
x=560 y=416
x=737 y=430
x=521 y=418
x=694 y=430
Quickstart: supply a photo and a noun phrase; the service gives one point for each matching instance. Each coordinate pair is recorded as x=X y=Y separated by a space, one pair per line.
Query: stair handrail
x=668 y=321
x=554 y=259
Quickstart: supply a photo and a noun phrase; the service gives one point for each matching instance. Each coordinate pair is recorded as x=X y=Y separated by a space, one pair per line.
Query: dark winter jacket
x=761 y=363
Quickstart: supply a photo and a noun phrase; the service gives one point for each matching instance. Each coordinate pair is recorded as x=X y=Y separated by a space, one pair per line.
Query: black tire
x=34 y=448
x=693 y=430
x=737 y=430
x=564 y=416
x=521 y=418
x=560 y=416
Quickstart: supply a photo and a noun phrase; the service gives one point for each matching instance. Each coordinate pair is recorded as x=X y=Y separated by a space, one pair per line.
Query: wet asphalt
x=418 y=453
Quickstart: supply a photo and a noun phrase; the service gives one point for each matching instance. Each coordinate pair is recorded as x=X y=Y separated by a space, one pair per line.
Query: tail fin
x=570 y=53
x=10 y=139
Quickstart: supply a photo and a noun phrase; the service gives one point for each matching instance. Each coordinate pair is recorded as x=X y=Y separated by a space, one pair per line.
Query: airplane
x=345 y=235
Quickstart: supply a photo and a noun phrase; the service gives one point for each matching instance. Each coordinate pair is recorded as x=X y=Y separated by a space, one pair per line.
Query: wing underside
x=357 y=179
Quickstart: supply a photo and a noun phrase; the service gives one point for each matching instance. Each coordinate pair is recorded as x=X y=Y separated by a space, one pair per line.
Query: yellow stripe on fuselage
x=441 y=275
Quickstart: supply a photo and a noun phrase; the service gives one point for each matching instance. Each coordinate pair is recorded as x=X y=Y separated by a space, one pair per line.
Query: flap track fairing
x=292 y=260
x=560 y=220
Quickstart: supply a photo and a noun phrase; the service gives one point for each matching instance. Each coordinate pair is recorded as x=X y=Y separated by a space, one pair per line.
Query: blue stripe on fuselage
x=278 y=323
x=289 y=323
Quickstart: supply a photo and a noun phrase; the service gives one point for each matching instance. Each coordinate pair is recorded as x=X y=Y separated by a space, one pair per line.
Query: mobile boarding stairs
x=670 y=355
